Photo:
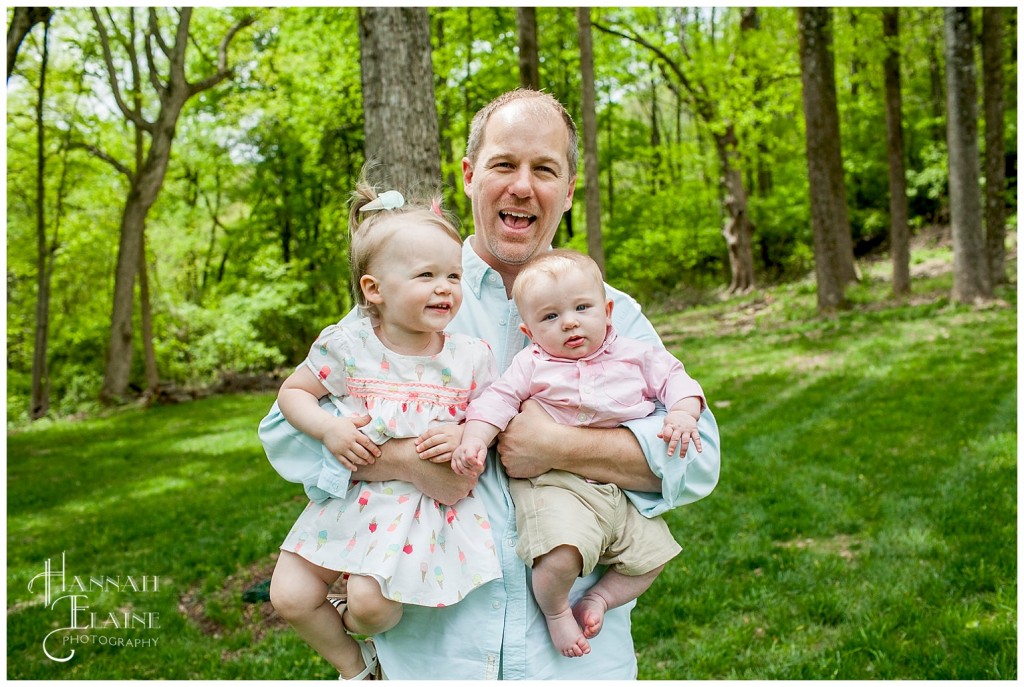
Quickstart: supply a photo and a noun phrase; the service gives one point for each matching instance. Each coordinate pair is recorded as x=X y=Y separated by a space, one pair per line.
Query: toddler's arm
x=680 y=425
x=471 y=455
x=298 y=400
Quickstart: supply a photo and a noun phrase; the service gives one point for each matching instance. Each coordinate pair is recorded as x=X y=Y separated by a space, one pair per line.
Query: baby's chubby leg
x=553 y=577
x=369 y=612
x=298 y=591
x=611 y=591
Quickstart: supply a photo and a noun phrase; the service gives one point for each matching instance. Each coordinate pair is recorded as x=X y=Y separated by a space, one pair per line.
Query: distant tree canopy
x=700 y=129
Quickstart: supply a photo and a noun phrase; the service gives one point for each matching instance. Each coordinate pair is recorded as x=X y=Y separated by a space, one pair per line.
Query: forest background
x=243 y=252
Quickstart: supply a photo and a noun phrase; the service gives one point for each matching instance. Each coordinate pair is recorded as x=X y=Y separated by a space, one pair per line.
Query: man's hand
x=439 y=442
x=679 y=428
x=529 y=443
x=399 y=460
x=351 y=447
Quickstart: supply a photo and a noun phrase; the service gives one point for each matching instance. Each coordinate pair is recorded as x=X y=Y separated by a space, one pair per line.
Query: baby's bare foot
x=589 y=613
x=566 y=635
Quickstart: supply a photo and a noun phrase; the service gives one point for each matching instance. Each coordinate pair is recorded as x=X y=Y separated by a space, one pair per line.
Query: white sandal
x=366 y=648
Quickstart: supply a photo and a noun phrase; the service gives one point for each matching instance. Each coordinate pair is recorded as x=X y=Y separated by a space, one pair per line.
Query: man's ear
x=525 y=330
x=568 y=198
x=370 y=287
x=467 y=177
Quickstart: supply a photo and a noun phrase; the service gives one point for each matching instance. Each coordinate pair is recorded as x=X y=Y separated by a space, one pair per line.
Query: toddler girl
x=394 y=373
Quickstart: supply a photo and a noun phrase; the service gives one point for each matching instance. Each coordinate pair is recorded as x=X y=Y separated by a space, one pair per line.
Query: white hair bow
x=389 y=200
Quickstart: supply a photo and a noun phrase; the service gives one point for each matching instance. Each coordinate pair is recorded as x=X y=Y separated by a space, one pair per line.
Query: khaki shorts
x=559 y=508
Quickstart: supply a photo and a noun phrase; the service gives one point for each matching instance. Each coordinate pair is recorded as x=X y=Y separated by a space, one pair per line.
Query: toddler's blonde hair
x=370 y=230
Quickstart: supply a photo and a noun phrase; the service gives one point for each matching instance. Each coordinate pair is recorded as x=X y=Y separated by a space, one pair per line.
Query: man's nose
x=521 y=184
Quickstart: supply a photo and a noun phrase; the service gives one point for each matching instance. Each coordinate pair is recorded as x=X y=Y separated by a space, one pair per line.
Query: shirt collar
x=606 y=346
x=474 y=269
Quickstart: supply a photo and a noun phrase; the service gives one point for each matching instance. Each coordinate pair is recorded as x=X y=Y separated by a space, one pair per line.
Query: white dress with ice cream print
x=420 y=551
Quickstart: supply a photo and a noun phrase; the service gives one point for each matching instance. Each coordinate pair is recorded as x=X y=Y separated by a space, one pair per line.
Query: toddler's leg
x=369 y=612
x=611 y=591
x=553 y=576
x=298 y=591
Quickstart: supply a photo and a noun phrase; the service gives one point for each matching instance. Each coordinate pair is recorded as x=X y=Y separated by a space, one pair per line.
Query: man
x=520 y=174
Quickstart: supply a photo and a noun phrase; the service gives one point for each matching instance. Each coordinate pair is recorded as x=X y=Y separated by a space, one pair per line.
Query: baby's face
x=568 y=316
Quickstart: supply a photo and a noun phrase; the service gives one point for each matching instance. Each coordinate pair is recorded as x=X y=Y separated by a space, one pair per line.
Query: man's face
x=520 y=185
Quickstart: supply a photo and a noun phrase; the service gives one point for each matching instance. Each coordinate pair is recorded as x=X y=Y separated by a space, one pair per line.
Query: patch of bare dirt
x=842 y=545
x=260 y=616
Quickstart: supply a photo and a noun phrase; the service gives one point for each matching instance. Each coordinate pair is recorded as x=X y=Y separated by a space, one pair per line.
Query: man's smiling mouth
x=517 y=220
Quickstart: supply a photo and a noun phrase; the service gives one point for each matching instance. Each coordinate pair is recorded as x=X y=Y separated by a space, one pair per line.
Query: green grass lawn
x=864 y=526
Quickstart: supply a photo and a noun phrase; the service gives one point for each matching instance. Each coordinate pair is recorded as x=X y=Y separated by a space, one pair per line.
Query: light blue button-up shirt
x=498 y=632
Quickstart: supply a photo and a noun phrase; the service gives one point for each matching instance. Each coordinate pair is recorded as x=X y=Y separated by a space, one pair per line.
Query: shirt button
x=495 y=604
x=510 y=542
x=581 y=417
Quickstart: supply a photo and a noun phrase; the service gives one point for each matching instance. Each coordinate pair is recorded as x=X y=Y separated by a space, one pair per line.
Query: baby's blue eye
x=581 y=308
x=550 y=316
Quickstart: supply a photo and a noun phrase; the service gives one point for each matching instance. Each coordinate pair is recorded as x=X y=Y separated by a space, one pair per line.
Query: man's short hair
x=541 y=100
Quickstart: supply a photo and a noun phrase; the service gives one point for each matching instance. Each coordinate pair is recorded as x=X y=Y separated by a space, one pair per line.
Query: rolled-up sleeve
x=683 y=479
x=299 y=458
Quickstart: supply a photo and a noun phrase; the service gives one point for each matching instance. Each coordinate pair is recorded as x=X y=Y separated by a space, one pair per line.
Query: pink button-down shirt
x=617 y=382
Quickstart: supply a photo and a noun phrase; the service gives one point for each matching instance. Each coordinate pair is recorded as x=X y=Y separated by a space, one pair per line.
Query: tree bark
x=22 y=21
x=591 y=165
x=400 y=112
x=149 y=352
x=738 y=229
x=40 y=404
x=147 y=180
x=992 y=19
x=971 y=281
x=529 y=60
x=833 y=247
x=899 y=235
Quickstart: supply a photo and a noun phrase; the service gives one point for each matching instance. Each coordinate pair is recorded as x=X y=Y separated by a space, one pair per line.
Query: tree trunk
x=149 y=353
x=971 y=281
x=174 y=91
x=898 y=205
x=400 y=112
x=529 y=60
x=992 y=19
x=591 y=166
x=738 y=229
x=40 y=404
x=22 y=21
x=833 y=249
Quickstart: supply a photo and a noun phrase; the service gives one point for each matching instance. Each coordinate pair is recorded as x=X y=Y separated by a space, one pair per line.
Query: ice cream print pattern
x=421 y=551
x=408 y=393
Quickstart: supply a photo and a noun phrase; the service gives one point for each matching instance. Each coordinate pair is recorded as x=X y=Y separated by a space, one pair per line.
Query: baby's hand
x=438 y=442
x=470 y=457
x=351 y=447
x=680 y=428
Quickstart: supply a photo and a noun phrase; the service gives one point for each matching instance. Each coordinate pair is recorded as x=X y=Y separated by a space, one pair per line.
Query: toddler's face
x=568 y=316
x=419 y=279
